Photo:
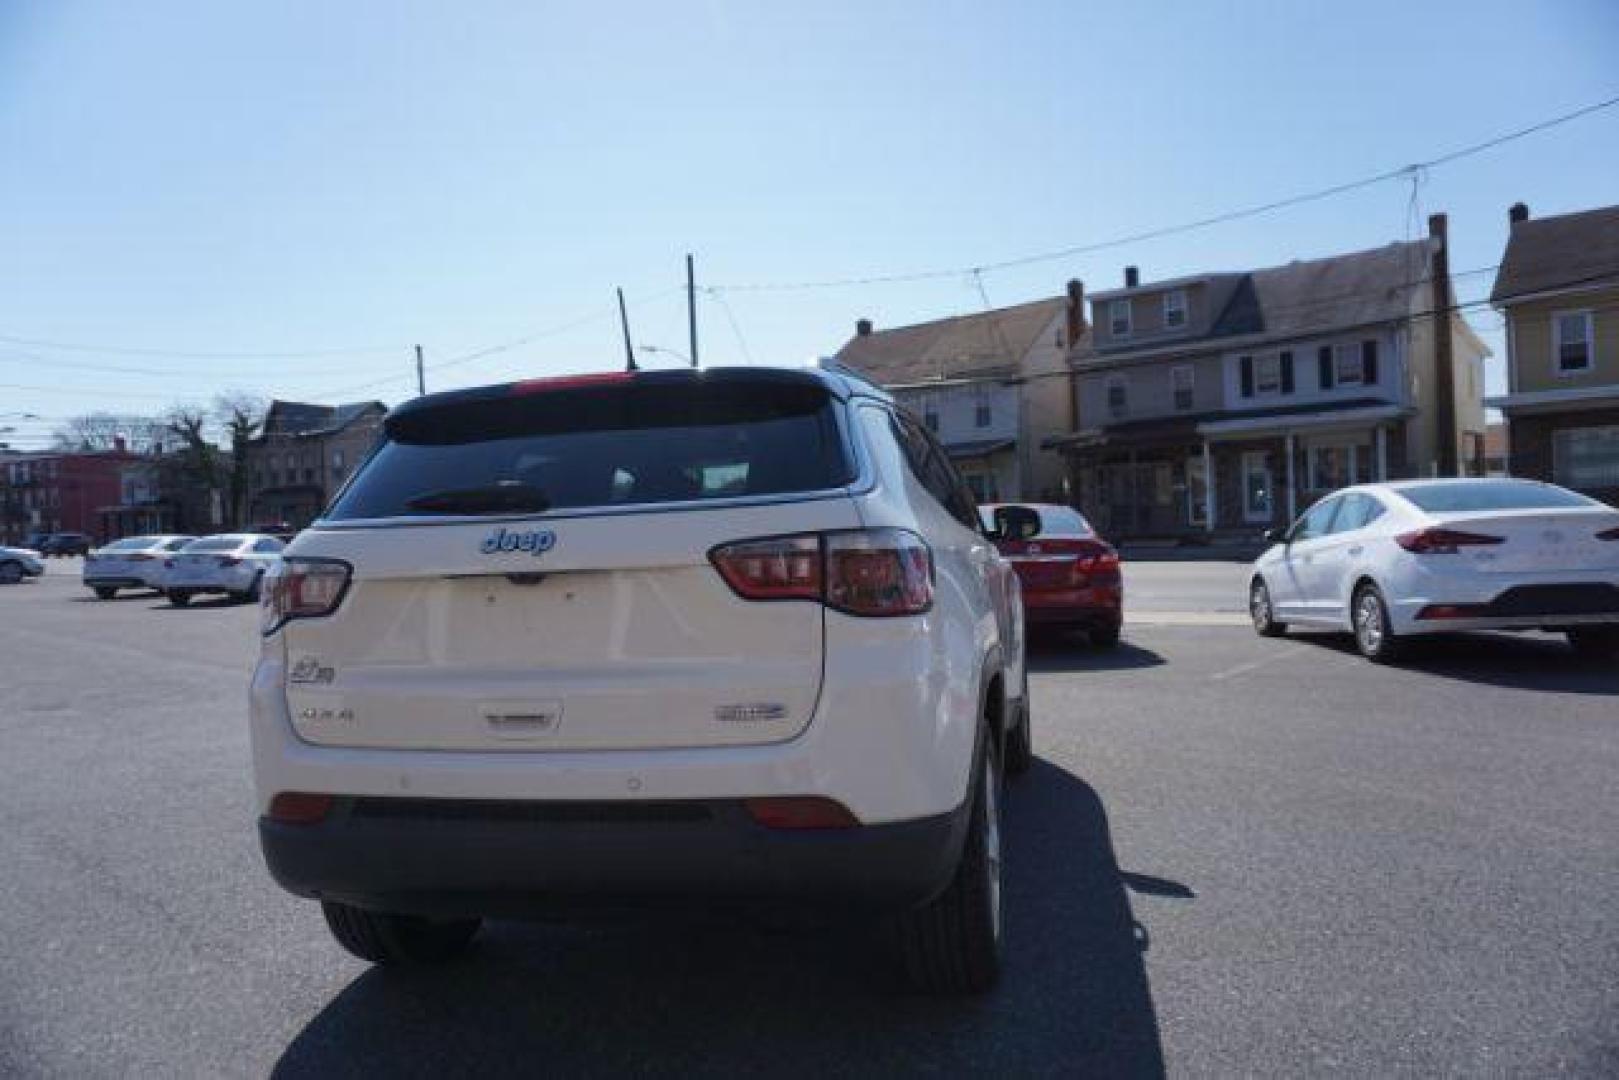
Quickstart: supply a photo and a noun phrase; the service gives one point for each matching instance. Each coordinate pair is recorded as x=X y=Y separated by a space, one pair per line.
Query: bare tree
x=242 y=416
x=102 y=430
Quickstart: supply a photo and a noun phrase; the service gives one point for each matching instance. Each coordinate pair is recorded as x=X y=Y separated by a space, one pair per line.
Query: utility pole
x=691 y=307
x=624 y=321
x=421 y=377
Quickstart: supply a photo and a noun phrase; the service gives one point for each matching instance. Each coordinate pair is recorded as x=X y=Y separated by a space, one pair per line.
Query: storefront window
x=1197 y=491
x=1586 y=457
x=1256 y=486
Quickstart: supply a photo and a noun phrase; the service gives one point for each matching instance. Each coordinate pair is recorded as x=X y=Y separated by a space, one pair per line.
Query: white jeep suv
x=677 y=637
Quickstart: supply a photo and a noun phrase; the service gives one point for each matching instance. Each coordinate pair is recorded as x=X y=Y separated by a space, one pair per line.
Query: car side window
x=934 y=471
x=1353 y=515
x=267 y=547
x=1374 y=510
x=1317 y=521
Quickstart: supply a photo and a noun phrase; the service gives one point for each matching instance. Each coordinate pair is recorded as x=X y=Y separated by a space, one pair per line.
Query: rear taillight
x=868 y=572
x=1608 y=534
x=1443 y=541
x=302 y=589
x=569 y=382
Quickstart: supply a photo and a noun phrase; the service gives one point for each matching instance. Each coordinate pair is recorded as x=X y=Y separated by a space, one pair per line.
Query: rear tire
x=1020 y=740
x=1595 y=642
x=106 y=592
x=397 y=939
x=1106 y=637
x=952 y=944
x=1374 y=637
x=1261 y=611
x=179 y=597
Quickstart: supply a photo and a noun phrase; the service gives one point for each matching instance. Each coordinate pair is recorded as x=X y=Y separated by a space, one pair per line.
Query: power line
x=736 y=328
x=1403 y=172
x=182 y=354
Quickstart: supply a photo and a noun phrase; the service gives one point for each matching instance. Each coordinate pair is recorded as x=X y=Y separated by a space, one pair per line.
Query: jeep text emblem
x=535 y=541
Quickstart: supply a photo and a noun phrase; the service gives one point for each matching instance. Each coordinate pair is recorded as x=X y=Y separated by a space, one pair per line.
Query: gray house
x=305 y=454
x=1227 y=402
x=993 y=386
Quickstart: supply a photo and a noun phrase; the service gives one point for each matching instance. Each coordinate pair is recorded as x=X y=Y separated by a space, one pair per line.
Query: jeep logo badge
x=535 y=541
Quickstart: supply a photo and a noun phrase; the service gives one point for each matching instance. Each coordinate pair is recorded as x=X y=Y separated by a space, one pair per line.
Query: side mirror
x=1276 y=536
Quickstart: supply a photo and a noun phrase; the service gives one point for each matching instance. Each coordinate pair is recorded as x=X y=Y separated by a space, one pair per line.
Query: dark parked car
x=66 y=543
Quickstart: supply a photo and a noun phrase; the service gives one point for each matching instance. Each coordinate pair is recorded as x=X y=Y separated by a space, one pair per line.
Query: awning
x=1302 y=421
x=977 y=448
x=1584 y=397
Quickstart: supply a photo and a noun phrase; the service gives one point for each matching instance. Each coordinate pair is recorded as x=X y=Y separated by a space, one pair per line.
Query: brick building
x=57 y=491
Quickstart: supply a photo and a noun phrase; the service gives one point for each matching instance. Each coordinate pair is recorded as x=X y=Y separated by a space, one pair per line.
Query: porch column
x=1292 y=501
x=1382 y=453
x=1208 y=488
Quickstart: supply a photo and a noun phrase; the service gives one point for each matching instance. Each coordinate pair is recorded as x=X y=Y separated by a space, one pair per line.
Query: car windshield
x=647 y=441
x=1047 y=521
x=213 y=543
x=1469 y=495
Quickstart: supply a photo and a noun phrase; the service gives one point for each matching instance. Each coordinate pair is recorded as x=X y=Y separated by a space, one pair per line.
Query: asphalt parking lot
x=1235 y=855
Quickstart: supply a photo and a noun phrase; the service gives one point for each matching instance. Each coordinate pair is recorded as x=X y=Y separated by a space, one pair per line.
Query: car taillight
x=1443 y=541
x=302 y=589
x=1608 y=534
x=300 y=807
x=868 y=572
x=800 y=812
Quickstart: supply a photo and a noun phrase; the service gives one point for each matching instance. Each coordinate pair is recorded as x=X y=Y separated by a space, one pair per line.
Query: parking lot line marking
x=1242 y=669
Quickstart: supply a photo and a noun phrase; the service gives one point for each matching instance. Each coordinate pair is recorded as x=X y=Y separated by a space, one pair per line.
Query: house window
x=1586 y=458
x=1571 y=341
x=1180 y=384
x=1174 y=309
x=981 y=415
x=931 y=420
x=1348 y=369
x=337 y=460
x=1268 y=374
x=1118 y=317
x=1118 y=402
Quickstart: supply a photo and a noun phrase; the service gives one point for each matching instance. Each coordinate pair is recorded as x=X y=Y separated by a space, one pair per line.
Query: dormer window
x=1174 y=309
x=1118 y=317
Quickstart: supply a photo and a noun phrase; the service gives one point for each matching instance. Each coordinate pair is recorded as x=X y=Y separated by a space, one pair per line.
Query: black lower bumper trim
x=516 y=858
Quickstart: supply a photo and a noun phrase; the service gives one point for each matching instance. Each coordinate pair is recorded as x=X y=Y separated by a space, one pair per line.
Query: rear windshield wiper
x=509 y=497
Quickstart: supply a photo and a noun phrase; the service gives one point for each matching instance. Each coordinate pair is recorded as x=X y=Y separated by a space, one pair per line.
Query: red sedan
x=1070 y=576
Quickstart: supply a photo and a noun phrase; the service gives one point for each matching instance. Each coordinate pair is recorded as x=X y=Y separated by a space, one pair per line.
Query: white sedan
x=1390 y=561
x=19 y=563
x=233 y=563
x=135 y=562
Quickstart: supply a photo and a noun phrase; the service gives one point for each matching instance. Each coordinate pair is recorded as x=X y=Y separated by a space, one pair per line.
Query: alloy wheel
x=1369 y=622
x=992 y=842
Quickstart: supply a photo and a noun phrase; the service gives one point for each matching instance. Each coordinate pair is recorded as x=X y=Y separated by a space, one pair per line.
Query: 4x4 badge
x=535 y=541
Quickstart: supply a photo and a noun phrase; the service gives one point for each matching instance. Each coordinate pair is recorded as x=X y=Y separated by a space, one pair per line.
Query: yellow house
x=1558 y=288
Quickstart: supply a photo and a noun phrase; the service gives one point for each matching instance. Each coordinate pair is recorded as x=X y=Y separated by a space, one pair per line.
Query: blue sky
x=229 y=179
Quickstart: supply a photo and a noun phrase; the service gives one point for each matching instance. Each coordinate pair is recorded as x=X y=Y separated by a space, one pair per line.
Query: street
x=1233 y=855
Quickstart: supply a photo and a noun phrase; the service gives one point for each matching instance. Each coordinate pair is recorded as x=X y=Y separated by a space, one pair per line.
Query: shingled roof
x=1544 y=254
x=303 y=418
x=989 y=343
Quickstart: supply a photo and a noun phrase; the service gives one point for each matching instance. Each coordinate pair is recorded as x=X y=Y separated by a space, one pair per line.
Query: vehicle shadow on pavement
x=1072 y=652
x=1516 y=661
x=718 y=1000
x=121 y=598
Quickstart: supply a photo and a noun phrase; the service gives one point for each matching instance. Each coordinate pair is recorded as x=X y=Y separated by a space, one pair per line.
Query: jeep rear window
x=634 y=443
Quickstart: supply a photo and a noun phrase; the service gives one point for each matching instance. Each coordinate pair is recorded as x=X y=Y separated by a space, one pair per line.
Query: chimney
x=1441 y=302
x=119 y=446
x=1518 y=212
x=1076 y=311
x=1132 y=277
x=863 y=328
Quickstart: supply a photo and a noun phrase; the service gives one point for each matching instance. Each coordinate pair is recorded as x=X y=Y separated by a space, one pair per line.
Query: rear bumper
x=121 y=581
x=1551 y=604
x=1073 y=607
x=508 y=858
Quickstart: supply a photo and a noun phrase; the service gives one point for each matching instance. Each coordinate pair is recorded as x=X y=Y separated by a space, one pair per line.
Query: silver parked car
x=232 y=563
x=135 y=562
x=18 y=563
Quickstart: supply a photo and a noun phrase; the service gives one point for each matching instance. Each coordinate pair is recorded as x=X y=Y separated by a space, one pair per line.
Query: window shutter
x=1287 y=372
x=1247 y=376
x=1368 y=362
x=1324 y=361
